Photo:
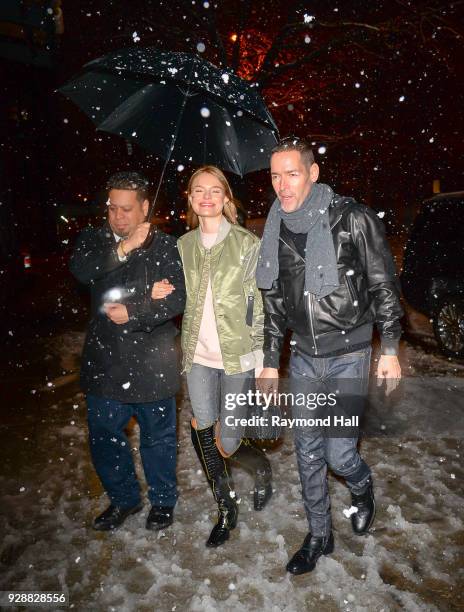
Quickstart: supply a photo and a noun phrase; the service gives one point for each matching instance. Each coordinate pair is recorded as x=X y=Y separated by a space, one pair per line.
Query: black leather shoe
x=114 y=516
x=160 y=517
x=362 y=520
x=305 y=559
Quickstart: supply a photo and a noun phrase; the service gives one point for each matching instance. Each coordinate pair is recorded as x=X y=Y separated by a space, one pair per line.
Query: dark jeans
x=315 y=451
x=208 y=389
x=112 y=456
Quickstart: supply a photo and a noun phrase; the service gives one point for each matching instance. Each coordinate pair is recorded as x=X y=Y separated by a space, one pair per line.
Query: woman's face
x=207 y=196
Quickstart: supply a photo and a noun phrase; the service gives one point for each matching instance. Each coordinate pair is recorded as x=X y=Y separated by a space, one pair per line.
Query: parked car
x=433 y=268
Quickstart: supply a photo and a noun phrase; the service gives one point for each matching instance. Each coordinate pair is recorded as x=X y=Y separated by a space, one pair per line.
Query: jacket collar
x=224 y=229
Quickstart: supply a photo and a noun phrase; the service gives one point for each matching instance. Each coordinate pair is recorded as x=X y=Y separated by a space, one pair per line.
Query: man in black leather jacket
x=327 y=274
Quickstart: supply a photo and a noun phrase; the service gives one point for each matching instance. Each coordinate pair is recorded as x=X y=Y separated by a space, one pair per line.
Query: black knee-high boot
x=254 y=461
x=215 y=469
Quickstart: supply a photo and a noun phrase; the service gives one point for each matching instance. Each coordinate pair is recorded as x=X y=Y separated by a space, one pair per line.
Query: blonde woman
x=222 y=336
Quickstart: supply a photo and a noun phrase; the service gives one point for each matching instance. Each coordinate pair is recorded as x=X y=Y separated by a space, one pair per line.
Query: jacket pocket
x=353 y=293
x=249 y=310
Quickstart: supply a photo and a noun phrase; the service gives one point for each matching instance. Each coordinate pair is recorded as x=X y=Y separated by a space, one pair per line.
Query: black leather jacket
x=343 y=320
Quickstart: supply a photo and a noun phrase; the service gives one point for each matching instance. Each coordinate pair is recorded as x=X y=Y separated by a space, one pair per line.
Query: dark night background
x=378 y=87
x=378 y=84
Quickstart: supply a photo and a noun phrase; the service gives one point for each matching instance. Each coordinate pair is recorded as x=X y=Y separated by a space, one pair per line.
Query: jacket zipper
x=191 y=347
x=352 y=293
x=335 y=222
x=310 y=302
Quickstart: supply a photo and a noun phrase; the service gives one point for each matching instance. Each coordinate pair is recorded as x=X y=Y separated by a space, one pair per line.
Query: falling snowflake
x=114 y=295
x=348 y=512
x=308 y=18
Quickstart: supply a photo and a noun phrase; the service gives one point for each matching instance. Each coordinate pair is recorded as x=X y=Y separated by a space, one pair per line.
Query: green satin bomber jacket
x=238 y=307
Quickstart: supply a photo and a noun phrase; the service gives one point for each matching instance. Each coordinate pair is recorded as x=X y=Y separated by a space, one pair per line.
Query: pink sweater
x=208 y=349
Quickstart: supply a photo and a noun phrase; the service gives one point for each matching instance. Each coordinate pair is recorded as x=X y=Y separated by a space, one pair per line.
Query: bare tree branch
x=245 y=8
x=215 y=36
x=309 y=57
x=358 y=24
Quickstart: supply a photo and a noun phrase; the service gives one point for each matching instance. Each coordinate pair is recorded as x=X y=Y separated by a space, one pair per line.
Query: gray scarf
x=321 y=276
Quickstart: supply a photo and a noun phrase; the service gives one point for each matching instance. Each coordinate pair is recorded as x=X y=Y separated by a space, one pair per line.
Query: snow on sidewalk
x=410 y=561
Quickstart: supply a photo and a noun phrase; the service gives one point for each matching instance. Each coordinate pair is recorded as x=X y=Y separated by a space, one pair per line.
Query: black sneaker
x=160 y=517
x=305 y=559
x=114 y=516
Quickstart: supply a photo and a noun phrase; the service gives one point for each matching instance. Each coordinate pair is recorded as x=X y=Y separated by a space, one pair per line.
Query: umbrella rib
x=187 y=93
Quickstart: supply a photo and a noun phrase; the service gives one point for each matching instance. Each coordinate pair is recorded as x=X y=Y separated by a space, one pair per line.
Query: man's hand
x=162 y=289
x=268 y=381
x=389 y=369
x=117 y=313
x=136 y=238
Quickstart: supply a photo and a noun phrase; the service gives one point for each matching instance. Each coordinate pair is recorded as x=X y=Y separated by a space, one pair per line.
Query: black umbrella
x=177 y=105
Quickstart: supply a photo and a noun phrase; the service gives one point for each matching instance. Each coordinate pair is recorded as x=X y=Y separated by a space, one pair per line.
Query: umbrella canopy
x=177 y=105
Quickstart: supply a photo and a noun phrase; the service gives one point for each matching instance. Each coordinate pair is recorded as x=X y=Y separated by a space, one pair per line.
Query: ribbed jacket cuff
x=271 y=359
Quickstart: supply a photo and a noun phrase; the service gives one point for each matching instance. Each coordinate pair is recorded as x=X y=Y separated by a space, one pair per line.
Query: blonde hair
x=230 y=209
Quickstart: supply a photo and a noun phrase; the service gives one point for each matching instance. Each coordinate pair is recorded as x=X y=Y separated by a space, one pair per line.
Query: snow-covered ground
x=412 y=560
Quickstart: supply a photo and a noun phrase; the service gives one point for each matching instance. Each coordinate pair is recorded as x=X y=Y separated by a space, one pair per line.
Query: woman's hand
x=162 y=289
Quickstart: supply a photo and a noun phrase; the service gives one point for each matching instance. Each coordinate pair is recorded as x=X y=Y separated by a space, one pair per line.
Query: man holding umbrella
x=129 y=364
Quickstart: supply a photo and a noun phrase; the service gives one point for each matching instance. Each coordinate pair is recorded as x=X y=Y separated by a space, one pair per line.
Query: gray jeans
x=212 y=396
x=314 y=451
